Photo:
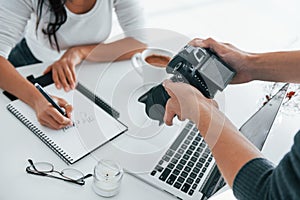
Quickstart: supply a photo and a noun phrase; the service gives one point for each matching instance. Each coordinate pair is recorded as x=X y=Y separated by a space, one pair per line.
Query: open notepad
x=92 y=128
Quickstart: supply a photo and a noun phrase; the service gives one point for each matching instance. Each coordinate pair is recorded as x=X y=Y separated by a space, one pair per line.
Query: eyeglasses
x=47 y=169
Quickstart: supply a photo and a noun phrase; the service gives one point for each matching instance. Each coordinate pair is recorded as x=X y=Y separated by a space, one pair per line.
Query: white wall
x=253 y=25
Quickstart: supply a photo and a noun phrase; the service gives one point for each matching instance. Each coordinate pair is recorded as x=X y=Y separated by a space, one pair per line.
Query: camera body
x=196 y=66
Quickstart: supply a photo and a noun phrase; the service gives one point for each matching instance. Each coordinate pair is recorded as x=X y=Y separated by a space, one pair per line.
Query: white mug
x=151 y=73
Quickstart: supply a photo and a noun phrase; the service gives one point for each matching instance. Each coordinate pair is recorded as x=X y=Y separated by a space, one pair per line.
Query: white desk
x=18 y=143
x=253 y=26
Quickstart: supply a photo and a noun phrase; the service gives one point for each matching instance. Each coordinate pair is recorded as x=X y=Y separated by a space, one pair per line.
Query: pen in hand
x=50 y=100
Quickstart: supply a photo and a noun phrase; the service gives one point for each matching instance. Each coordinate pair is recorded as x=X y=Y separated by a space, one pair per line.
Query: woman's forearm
x=276 y=66
x=114 y=51
x=13 y=82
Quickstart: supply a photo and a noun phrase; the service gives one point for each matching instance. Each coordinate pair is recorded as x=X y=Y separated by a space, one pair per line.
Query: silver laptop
x=187 y=170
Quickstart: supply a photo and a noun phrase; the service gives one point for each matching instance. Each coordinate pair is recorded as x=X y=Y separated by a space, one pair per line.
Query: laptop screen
x=257 y=127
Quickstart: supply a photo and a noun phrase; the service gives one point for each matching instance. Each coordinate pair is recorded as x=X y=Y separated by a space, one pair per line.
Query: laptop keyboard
x=185 y=162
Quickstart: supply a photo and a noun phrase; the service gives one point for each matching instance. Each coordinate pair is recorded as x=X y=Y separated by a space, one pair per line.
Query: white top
x=79 y=29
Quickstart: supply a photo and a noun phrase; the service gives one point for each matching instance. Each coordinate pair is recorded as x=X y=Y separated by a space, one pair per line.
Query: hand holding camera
x=196 y=66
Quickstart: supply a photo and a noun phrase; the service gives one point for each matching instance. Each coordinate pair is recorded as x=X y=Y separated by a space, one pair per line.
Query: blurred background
x=252 y=25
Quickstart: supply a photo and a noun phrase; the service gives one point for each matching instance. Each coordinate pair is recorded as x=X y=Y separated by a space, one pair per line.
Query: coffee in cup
x=158 y=60
x=151 y=64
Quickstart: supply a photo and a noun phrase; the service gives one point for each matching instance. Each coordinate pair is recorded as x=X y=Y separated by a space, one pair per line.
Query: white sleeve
x=131 y=18
x=14 y=15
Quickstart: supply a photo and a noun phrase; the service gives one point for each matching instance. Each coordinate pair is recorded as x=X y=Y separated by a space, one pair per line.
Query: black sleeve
x=259 y=179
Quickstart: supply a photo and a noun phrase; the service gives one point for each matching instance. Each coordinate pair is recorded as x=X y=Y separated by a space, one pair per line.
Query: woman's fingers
x=53 y=119
x=50 y=122
x=64 y=104
x=62 y=78
x=63 y=75
x=54 y=75
x=58 y=117
x=56 y=79
x=69 y=76
x=48 y=69
x=72 y=70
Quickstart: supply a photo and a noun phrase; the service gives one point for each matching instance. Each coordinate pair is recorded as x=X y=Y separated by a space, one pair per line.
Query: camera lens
x=155 y=100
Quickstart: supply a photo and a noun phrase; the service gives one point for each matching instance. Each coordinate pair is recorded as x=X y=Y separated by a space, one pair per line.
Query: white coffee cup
x=152 y=72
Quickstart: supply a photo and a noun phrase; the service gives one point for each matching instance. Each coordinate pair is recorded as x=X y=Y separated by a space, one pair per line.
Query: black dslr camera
x=196 y=66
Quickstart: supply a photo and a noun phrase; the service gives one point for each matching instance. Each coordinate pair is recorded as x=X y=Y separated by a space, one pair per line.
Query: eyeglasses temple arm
x=86 y=176
x=32 y=165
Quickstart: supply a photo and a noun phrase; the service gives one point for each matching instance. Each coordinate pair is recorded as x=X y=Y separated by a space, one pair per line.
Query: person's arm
x=14 y=16
x=240 y=163
x=63 y=70
x=122 y=49
x=276 y=66
x=273 y=66
x=13 y=82
x=13 y=19
x=259 y=179
x=229 y=147
x=131 y=19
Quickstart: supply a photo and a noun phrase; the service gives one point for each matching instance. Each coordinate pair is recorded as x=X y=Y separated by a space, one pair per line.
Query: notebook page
x=92 y=126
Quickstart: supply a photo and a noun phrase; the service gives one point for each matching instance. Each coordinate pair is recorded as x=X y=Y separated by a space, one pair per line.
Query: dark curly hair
x=57 y=9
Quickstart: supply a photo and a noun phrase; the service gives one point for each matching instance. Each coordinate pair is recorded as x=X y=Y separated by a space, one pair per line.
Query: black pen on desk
x=50 y=100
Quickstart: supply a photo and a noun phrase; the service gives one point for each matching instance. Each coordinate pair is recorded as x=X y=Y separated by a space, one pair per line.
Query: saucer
x=128 y=90
x=145 y=140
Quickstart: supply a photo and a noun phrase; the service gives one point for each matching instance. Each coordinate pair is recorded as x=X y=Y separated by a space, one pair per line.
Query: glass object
x=291 y=104
x=107 y=178
x=47 y=169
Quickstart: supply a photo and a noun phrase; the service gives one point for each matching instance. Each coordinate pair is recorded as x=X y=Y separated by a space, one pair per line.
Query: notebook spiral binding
x=54 y=147
x=98 y=101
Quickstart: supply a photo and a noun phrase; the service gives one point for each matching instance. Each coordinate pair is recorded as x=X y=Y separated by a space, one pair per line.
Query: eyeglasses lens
x=43 y=167
x=72 y=174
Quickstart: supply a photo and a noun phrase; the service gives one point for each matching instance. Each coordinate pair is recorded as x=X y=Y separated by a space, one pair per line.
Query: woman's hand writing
x=49 y=116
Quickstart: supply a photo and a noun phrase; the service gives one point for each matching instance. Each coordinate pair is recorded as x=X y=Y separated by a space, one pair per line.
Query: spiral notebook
x=93 y=127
